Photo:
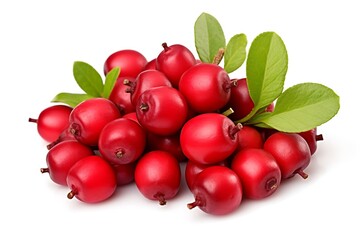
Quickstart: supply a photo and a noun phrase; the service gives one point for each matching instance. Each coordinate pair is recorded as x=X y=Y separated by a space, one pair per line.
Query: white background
x=39 y=42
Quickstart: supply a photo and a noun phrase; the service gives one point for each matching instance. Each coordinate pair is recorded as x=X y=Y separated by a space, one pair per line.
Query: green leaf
x=88 y=79
x=301 y=108
x=235 y=52
x=72 y=99
x=209 y=37
x=266 y=68
x=110 y=81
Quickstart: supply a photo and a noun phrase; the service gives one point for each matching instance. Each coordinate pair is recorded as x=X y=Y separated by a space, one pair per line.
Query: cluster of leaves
x=299 y=108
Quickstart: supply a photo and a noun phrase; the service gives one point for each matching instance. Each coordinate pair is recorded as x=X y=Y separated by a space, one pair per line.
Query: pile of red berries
x=169 y=110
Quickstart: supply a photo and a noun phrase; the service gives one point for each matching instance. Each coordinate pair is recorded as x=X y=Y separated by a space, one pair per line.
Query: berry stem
x=228 y=112
x=302 y=174
x=44 y=170
x=144 y=107
x=161 y=198
x=165 y=46
x=234 y=129
x=271 y=184
x=219 y=56
x=75 y=129
x=319 y=137
x=33 y=120
x=71 y=194
x=196 y=203
x=120 y=153
x=51 y=145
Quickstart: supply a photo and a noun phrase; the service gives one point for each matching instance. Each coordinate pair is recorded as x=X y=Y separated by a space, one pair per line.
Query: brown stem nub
x=144 y=107
x=161 y=198
x=44 y=170
x=196 y=203
x=302 y=174
x=165 y=46
x=319 y=137
x=71 y=194
x=234 y=129
x=75 y=129
x=219 y=56
x=120 y=153
x=127 y=82
x=52 y=144
x=228 y=112
x=33 y=120
x=271 y=184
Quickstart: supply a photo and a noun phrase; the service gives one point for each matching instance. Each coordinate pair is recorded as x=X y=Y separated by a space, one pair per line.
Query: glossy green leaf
x=71 y=99
x=88 y=79
x=301 y=108
x=235 y=52
x=266 y=68
x=110 y=81
x=209 y=37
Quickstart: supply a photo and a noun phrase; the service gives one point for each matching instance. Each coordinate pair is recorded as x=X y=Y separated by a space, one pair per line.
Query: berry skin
x=121 y=97
x=311 y=137
x=162 y=110
x=89 y=118
x=209 y=138
x=291 y=153
x=91 y=180
x=249 y=137
x=65 y=135
x=124 y=173
x=130 y=62
x=157 y=176
x=206 y=87
x=62 y=157
x=217 y=190
x=122 y=141
x=52 y=121
x=173 y=61
x=259 y=172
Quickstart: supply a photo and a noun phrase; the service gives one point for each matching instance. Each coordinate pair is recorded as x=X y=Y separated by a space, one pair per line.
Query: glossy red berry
x=249 y=137
x=206 y=87
x=290 y=151
x=209 y=138
x=259 y=172
x=122 y=141
x=124 y=173
x=170 y=144
x=52 y=121
x=91 y=180
x=157 y=176
x=193 y=169
x=62 y=157
x=146 y=80
x=311 y=137
x=217 y=190
x=173 y=61
x=130 y=62
x=132 y=116
x=151 y=65
x=90 y=117
x=162 y=110
x=121 y=97
x=65 y=135
x=240 y=100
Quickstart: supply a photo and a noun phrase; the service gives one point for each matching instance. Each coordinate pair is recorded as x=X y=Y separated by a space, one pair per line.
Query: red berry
x=91 y=180
x=132 y=116
x=240 y=100
x=311 y=137
x=290 y=151
x=130 y=62
x=122 y=141
x=146 y=80
x=170 y=144
x=162 y=110
x=209 y=138
x=124 y=173
x=217 y=190
x=173 y=61
x=157 y=176
x=151 y=65
x=62 y=157
x=206 y=87
x=90 y=117
x=64 y=136
x=121 y=97
x=249 y=137
x=259 y=172
x=52 y=121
